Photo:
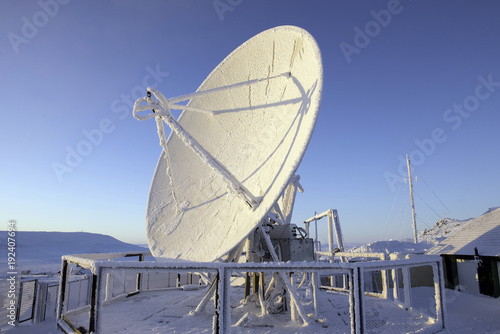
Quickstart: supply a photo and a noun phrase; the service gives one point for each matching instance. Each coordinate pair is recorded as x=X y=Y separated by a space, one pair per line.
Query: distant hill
x=446 y=227
x=443 y=229
x=428 y=238
x=42 y=251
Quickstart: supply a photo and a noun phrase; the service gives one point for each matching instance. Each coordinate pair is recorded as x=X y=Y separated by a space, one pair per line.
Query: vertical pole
x=93 y=302
x=316 y=232
x=293 y=307
x=139 y=275
x=39 y=302
x=407 y=287
x=352 y=300
x=385 y=283
x=109 y=286
x=338 y=230
x=437 y=270
x=395 y=280
x=314 y=282
x=217 y=316
x=247 y=274
x=330 y=241
x=33 y=306
x=412 y=203
x=223 y=304
x=358 y=292
x=247 y=285
x=330 y=234
x=62 y=289
x=262 y=300
x=255 y=283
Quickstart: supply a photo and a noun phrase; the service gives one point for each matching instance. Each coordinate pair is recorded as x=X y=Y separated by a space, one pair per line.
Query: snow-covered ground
x=167 y=312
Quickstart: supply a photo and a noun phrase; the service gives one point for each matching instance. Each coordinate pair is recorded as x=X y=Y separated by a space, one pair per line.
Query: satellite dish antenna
x=235 y=147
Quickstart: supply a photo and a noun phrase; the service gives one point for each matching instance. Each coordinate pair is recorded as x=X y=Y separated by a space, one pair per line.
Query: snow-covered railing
x=363 y=257
x=223 y=272
x=87 y=261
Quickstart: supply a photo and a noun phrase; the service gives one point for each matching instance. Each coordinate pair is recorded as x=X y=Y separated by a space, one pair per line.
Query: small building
x=471 y=256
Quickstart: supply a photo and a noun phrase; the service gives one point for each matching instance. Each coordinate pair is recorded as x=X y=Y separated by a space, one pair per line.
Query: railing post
x=385 y=283
x=407 y=287
x=139 y=275
x=223 y=304
x=62 y=289
x=395 y=280
x=100 y=284
x=437 y=271
x=352 y=301
x=93 y=298
x=109 y=286
x=358 y=292
x=33 y=306
x=314 y=282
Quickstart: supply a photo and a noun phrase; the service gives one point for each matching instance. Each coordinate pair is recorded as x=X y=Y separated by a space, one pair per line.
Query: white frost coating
x=163 y=144
x=162 y=112
x=260 y=145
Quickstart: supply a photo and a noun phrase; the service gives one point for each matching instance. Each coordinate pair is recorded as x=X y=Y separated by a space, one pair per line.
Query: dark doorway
x=486 y=278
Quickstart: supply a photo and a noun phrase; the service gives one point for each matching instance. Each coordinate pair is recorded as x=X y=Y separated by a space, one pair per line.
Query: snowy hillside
x=443 y=229
x=393 y=246
x=428 y=238
x=42 y=251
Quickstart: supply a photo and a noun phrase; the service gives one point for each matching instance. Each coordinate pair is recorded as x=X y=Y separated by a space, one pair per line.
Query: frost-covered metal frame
x=101 y=265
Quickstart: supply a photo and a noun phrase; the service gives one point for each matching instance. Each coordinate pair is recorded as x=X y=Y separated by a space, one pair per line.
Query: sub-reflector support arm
x=162 y=110
x=223 y=88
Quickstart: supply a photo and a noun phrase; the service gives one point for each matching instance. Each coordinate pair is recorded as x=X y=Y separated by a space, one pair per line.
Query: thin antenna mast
x=415 y=237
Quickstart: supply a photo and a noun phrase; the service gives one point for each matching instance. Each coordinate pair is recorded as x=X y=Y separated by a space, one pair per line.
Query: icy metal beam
x=223 y=88
x=161 y=109
x=291 y=290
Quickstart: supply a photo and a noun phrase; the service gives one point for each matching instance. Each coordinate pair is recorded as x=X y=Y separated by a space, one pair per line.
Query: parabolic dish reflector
x=258 y=132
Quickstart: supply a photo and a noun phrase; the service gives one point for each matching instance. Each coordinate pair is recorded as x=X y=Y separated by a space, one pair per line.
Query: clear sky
x=410 y=77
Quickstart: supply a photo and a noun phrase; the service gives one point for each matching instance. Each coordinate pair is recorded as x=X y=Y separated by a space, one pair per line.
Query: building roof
x=482 y=232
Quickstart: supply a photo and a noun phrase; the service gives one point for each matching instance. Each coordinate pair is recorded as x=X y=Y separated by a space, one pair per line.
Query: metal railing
x=101 y=267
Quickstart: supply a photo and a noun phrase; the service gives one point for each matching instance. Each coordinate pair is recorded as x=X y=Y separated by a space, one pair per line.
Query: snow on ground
x=472 y=313
x=167 y=312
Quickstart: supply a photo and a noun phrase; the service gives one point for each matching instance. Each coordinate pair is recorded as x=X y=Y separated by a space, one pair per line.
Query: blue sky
x=410 y=77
